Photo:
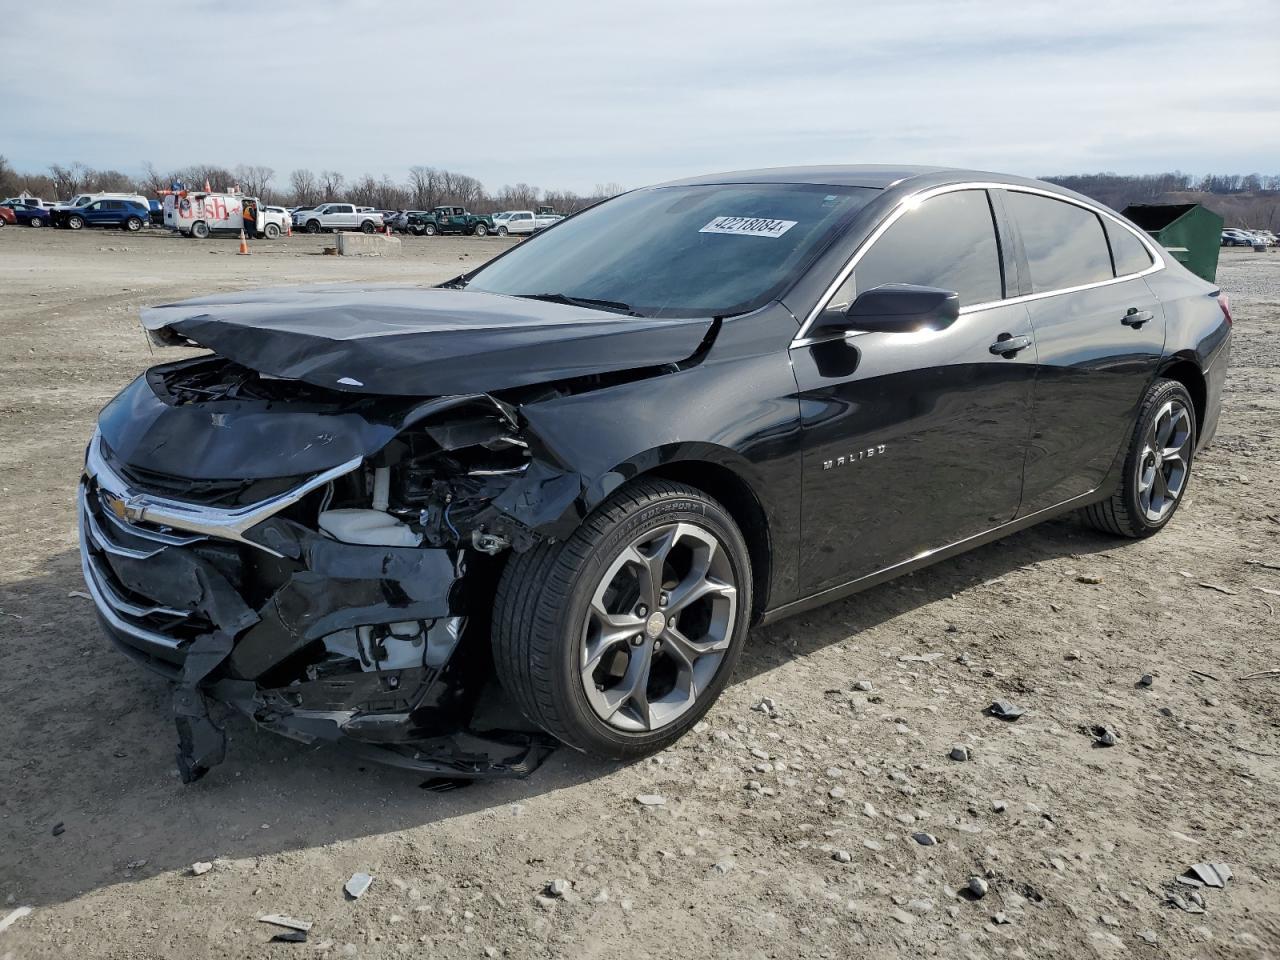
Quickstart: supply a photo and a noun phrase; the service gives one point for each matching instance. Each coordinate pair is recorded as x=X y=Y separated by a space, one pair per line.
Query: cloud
x=569 y=94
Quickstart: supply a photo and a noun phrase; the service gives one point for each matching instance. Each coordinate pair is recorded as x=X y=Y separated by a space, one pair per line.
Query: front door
x=916 y=441
x=1098 y=347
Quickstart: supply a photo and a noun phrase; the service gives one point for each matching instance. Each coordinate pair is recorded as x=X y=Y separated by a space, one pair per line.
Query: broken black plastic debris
x=1004 y=710
x=59 y=829
x=290 y=936
x=445 y=784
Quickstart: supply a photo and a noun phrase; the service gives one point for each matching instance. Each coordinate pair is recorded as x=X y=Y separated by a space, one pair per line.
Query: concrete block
x=368 y=245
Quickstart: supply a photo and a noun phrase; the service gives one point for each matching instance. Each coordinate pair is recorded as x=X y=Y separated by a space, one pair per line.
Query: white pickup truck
x=522 y=221
x=337 y=216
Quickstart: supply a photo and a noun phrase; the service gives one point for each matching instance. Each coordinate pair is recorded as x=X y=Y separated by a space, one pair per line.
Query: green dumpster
x=1192 y=233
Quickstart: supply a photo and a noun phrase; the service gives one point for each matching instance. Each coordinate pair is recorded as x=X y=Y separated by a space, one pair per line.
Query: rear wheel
x=619 y=639
x=481 y=230
x=1157 y=467
x=75 y=222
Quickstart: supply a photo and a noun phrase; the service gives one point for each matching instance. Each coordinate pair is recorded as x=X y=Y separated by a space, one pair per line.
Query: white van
x=84 y=199
x=198 y=214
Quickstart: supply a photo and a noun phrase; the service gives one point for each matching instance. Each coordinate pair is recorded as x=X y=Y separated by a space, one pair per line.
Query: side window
x=1127 y=251
x=948 y=241
x=1064 y=243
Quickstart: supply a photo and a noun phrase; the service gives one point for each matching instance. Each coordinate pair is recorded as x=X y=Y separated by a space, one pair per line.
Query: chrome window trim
x=914 y=200
x=195 y=517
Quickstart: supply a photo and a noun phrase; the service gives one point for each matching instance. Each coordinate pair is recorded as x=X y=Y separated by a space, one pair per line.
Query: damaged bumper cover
x=308 y=636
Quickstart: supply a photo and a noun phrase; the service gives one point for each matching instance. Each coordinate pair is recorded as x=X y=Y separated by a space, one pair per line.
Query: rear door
x=914 y=441
x=1099 y=337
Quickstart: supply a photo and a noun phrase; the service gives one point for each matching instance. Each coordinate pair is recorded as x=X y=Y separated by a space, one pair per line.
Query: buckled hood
x=418 y=341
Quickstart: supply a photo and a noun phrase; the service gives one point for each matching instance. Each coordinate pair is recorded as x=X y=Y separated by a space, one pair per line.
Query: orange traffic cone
x=288 y=231
x=244 y=244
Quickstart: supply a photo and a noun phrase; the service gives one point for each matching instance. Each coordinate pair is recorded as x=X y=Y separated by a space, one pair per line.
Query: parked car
x=446 y=219
x=578 y=465
x=1235 y=237
x=522 y=222
x=339 y=216
x=84 y=199
x=28 y=215
x=107 y=212
x=1266 y=236
x=27 y=201
x=286 y=218
x=7 y=216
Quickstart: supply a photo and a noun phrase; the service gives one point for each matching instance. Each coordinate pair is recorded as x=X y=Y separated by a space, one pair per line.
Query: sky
x=568 y=95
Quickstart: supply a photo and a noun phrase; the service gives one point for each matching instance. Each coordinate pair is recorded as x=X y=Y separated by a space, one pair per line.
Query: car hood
x=418 y=341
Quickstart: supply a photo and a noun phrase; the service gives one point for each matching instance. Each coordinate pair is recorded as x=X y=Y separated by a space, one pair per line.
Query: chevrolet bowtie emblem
x=121 y=507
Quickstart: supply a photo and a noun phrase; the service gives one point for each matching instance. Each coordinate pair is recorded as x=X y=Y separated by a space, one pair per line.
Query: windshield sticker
x=749 y=226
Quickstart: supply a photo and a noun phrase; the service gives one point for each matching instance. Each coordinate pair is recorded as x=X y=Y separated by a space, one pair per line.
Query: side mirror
x=895 y=308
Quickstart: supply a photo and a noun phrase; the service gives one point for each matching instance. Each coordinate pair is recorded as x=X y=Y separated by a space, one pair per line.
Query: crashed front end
x=322 y=562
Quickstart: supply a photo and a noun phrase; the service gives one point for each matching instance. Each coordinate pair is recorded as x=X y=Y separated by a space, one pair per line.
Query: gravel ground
x=782 y=833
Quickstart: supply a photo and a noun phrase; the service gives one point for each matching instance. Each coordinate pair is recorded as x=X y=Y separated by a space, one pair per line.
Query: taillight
x=1225 y=303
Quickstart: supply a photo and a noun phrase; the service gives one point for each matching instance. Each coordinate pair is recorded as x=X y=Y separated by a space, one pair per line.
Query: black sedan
x=586 y=468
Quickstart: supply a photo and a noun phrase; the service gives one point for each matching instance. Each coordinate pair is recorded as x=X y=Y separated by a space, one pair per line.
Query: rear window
x=1064 y=244
x=1127 y=251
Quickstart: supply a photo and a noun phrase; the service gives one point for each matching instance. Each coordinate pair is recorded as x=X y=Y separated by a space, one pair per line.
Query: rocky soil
x=818 y=811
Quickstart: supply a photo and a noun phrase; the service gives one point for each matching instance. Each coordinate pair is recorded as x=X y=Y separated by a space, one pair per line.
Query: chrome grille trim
x=228 y=524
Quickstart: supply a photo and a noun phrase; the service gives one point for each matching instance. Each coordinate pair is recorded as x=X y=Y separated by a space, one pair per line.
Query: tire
x=200 y=230
x=133 y=224
x=502 y=231
x=313 y=226
x=429 y=230
x=366 y=227
x=271 y=231
x=1138 y=508
x=75 y=223
x=543 y=628
x=36 y=222
x=481 y=230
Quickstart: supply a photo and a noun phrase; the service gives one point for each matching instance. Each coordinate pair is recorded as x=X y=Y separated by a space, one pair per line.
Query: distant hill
x=1242 y=200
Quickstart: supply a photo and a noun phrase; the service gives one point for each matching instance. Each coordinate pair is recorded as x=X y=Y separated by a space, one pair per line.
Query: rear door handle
x=1136 y=318
x=1007 y=345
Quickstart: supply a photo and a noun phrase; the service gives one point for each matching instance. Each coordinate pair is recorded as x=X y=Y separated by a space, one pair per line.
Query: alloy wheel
x=1162 y=467
x=659 y=623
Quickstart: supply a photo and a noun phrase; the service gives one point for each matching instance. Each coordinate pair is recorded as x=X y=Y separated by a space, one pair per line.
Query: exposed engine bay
x=322 y=557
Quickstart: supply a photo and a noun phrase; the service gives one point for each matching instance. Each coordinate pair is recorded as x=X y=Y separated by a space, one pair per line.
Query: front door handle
x=1007 y=345
x=1136 y=318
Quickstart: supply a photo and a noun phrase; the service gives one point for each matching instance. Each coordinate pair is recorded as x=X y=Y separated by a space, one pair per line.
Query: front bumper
x=251 y=608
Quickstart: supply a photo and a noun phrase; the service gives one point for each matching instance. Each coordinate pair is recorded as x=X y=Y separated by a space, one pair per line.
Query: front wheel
x=366 y=227
x=502 y=231
x=1157 y=467
x=133 y=224
x=429 y=230
x=620 y=638
x=271 y=231
x=37 y=221
x=313 y=226
x=75 y=222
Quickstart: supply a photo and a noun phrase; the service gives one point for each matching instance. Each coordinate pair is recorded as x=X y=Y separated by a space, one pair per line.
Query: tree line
x=1245 y=200
x=424 y=188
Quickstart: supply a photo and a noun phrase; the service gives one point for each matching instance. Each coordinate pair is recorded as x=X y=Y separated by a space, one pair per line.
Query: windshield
x=708 y=250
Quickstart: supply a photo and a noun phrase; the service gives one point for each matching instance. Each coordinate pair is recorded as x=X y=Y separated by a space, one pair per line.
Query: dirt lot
x=1079 y=859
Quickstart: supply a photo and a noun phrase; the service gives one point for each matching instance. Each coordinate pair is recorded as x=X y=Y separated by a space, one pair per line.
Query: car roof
x=879 y=175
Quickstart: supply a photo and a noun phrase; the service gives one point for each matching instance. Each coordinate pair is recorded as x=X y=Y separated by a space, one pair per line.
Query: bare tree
x=331 y=182
x=68 y=180
x=303 y=184
x=254 y=180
